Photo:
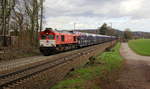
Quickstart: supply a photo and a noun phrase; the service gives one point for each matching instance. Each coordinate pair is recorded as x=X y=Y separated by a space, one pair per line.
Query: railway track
x=12 y=78
x=13 y=64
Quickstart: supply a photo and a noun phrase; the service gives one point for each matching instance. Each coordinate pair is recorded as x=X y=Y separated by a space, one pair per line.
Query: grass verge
x=90 y=76
x=140 y=46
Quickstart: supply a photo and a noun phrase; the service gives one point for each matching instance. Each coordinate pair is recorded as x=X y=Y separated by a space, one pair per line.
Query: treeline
x=125 y=35
x=22 y=20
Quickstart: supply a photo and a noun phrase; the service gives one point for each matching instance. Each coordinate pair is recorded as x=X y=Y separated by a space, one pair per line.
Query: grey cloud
x=84 y=8
x=97 y=10
x=107 y=8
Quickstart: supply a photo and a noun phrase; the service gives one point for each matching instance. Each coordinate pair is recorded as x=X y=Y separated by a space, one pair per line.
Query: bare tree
x=6 y=9
x=24 y=18
x=41 y=19
x=32 y=8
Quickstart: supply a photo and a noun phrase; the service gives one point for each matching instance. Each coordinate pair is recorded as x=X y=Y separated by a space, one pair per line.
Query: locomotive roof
x=76 y=32
x=58 y=31
x=91 y=34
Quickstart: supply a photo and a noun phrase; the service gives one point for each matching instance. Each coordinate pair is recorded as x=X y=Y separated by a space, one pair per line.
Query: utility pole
x=111 y=24
x=74 y=26
x=111 y=35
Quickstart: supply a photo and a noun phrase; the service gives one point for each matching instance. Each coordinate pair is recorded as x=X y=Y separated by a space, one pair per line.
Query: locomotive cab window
x=43 y=36
x=57 y=37
x=62 y=38
x=51 y=37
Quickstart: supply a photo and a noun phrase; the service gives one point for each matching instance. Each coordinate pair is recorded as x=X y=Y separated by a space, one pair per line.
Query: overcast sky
x=133 y=14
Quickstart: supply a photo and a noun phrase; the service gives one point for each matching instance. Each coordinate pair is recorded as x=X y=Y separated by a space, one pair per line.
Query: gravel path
x=136 y=74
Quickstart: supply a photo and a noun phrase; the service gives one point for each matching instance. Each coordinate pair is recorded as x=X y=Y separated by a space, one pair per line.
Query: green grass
x=104 y=63
x=140 y=46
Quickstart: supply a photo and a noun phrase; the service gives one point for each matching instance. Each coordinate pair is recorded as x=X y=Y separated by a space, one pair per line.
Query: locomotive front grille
x=47 y=43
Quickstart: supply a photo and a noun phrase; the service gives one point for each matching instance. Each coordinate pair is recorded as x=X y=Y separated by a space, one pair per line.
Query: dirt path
x=136 y=74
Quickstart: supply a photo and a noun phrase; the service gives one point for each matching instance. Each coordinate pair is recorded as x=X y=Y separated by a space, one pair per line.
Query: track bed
x=12 y=75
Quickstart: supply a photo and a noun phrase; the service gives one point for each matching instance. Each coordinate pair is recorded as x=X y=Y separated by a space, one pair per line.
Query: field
x=90 y=76
x=140 y=46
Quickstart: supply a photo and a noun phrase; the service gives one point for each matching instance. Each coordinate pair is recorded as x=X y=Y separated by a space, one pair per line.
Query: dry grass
x=22 y=47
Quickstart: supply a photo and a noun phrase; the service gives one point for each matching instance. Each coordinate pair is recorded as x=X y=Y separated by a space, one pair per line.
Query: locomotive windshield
x=47 y=36
x=43 y=36
x=50 y=36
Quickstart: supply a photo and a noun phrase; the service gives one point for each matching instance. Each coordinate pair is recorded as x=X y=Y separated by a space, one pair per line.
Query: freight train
x=51 y=40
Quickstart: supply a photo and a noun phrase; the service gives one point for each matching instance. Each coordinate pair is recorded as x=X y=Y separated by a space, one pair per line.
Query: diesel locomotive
x=52 y=40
